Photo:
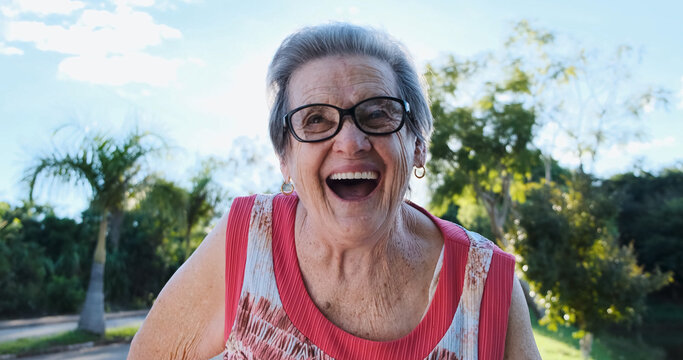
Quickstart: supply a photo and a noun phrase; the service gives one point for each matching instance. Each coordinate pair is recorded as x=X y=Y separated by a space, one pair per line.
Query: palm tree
x=185 y=208
x=113 y=171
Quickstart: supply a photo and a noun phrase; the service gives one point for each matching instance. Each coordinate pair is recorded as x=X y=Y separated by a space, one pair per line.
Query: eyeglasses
x=381 y=115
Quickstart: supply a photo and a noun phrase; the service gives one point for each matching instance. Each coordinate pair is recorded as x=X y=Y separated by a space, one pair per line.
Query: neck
x=349 y=253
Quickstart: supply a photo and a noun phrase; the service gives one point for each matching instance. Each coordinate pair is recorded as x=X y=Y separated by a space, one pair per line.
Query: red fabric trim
x=336 y=342
x=236 y=239
x=495 y=306
x=340 y=344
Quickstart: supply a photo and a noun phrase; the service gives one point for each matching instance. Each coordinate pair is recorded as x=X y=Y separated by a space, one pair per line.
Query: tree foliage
x=46 y=262
x=112 y=171
x=43 y=261
x=203 y=198
x=500 y=114
x=567 y=239
x=586 y=99
x=650 y=218
x=484 y=145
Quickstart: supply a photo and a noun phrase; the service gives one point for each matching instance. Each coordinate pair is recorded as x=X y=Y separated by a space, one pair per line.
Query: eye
x=375 y=118
x=377 y=114
x=314 y=119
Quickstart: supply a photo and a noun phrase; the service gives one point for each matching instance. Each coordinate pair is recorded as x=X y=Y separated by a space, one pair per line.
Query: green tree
x=587 y=98
x=112 y=170
x=149 y=251
x=567 y=239
x=43 y=261
x=650 y=216
x=203 y=197
x=22 y=264
x=159 y=234
x=187 y=209
x=65 y=258
x=482 y=147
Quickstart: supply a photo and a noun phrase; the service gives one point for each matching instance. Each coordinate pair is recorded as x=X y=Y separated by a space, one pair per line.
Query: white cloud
x=567 y=158
x=9 y=50
x=119 y=70
x=621 y=158
x=95 y=32
x=140 y=3
x=680 y=95
x=107 y=47
x=634 y=148
x=241 y=96
x=196 y=61
x=133 y=95
x=41 y=7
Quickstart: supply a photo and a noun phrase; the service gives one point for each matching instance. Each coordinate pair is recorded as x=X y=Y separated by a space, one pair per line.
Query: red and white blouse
x=269 y=314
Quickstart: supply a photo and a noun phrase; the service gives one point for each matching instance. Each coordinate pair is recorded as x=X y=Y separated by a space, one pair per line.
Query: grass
x=558 y=345
x=551 y=348
x=562 y=345
x=42 y=344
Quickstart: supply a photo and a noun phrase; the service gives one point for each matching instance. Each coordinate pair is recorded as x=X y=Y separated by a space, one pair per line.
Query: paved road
x=15 y=329
x=109 y=352
x=40 y=327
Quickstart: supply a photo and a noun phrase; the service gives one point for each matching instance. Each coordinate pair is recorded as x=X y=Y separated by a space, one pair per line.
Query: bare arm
x=519 y=339
x=186 y=320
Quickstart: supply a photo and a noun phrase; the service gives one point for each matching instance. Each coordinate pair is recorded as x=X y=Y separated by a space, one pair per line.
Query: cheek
x=405 y=153
x=304 y=166
x=401 y=159
x=296 y=166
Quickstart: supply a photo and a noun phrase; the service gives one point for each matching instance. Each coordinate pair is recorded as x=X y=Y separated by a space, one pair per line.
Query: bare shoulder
x=186 y=320
x=519 y=339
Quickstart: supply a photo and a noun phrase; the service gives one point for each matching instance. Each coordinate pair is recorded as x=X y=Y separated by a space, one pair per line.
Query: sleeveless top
x=269 y=314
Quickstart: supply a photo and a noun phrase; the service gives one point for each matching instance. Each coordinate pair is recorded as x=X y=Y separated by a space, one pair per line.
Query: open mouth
x=353 y=185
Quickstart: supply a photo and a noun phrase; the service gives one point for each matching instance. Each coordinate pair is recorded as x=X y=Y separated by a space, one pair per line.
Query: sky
x=193 y=71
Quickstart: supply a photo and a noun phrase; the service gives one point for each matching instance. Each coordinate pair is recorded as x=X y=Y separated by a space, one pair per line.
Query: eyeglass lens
x=373 y=116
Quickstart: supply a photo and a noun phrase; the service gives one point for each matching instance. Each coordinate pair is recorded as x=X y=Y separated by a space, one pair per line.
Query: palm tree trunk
x=547 y=164
x=92 y=314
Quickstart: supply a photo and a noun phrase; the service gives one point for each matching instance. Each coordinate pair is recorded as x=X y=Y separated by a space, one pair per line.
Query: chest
x=374 y=309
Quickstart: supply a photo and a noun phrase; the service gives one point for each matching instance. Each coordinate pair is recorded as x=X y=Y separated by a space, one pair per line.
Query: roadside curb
x=51 y=350
x=62 y=348
x=8 y=324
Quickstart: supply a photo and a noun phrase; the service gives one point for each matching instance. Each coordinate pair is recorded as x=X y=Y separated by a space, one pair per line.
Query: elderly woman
x=344 y=267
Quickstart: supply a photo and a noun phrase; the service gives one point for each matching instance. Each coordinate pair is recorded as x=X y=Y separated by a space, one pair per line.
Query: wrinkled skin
x=343 y=82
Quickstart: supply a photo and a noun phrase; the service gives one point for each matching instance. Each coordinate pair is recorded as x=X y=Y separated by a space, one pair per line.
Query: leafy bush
x=567 y=239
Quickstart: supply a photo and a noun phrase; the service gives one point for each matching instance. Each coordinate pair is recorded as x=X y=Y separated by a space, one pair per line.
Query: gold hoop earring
x=288 y=186
x=422 y=174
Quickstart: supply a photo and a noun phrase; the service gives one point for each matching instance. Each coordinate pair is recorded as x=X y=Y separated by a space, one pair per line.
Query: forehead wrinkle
x=346 y=84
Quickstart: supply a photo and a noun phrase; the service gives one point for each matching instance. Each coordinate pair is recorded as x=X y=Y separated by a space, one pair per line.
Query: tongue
x=352 y=189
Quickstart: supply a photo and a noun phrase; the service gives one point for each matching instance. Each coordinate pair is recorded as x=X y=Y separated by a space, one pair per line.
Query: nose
x=350 y=139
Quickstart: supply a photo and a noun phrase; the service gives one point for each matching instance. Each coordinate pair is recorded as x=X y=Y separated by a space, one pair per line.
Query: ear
x=420 y=157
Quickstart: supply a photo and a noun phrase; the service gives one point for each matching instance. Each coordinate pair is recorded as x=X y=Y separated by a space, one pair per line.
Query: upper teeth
x=355 y=175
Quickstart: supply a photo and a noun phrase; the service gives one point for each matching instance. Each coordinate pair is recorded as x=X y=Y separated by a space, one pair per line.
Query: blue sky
x=194 y=70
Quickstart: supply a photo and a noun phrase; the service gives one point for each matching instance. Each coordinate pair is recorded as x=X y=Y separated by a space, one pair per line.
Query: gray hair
x=344 y=39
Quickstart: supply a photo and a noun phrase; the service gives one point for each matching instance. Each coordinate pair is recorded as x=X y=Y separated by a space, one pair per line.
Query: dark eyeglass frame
x=287 y=119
